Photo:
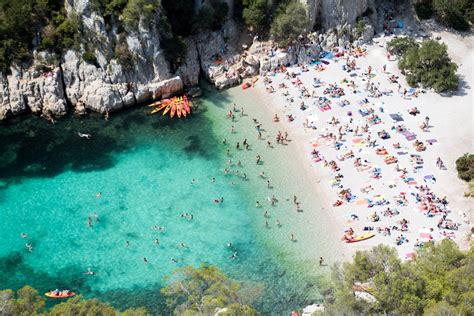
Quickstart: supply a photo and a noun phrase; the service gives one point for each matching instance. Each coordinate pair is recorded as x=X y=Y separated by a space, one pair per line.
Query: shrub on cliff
x=440 y=278
x=424 y=9
x=289 y=23
x=454 y=13
x=255 y=14
x=139 y=9
x=465 y=167
x=400 y=45
x=430 y=66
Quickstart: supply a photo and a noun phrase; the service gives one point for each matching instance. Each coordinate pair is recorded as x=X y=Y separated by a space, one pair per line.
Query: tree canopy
x=200 y=291
x=400 y=45
x=441 y=277
x=453 y=13
x=289 y=23
x=465 y=167
x=430 y=66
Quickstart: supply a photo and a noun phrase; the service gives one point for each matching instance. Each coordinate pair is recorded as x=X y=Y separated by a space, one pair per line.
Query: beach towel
x=431 y=141
x=362 y=202
x=429 y=179
x=396 y=117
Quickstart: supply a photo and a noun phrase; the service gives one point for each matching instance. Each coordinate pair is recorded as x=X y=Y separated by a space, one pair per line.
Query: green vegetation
x=19 y=22
x=27 y=301
x=360 y=27
x=122 y=53
x=139 y=8
x=465 y=167
x=438 y=282
x=256 y=14
x=61 y=33
x=199 y=291
x=430 y=66
x=400 y=45
x=453 y=13
x=424 y=9
x=210 y=17
x=191 y=291
x=89 y=57
x=290 y=22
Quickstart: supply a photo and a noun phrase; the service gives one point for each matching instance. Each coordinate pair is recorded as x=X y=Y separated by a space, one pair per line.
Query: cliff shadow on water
x=32 y=147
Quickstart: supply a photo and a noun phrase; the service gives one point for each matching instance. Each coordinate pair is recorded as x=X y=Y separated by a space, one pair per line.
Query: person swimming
x=145 y=260
x=24 y=235
x=89 y=272
x=156 y=241
x=29 y=246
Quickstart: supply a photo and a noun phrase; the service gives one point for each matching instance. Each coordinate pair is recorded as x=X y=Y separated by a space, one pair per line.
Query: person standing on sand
x=321 y=261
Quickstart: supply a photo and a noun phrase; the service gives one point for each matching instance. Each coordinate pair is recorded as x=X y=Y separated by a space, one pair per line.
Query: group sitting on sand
x=308 y=98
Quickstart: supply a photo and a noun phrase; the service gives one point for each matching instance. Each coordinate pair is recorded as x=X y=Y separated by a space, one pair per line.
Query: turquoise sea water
x=143 y=165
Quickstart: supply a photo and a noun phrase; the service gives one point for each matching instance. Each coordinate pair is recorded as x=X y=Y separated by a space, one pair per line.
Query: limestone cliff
x=72 y=84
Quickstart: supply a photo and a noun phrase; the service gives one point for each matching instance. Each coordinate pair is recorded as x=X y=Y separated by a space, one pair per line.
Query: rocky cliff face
x=76 y=85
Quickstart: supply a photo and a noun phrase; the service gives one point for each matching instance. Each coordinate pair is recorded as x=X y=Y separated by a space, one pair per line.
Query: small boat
x=159 y=108
x=156 y=103
x=183 y=109
x=351 y=239
x=246 y=85
x=60 y=294
x=179 y=107
x=186 y=105
x=174 y=107
x=168 y=107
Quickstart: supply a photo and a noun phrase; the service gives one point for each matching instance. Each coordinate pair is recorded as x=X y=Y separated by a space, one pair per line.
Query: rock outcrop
x=51 y=88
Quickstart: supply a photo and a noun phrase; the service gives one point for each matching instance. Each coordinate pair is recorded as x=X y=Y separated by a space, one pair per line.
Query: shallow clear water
x=143 y=165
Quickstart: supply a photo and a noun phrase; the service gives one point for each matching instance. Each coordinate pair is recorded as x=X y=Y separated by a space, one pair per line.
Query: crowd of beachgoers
x=369 y=139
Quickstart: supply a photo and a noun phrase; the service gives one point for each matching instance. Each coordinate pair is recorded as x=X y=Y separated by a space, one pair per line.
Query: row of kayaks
x=178 y=106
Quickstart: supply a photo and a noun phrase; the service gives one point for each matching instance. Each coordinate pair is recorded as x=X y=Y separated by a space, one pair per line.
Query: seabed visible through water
x=143 y=165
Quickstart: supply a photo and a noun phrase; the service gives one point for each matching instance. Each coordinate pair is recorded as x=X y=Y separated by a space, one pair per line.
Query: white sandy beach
x=450 y=135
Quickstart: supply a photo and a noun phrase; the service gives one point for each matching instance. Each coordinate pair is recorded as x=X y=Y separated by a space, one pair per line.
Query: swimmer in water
x=268 y=184
x=224 y=141
x=265 y=214
x=193 y=181
x=89 y=272
x=145 y=260
x=229 y=245
x=278 y=223
x=174 y=260
x=24 y=235
x=157 y=242
x=127 y=243
x=292 y=237
x=96 y=217
x=234 y=256
x=29 y=246
x=257 y=159
x=262 y=175
x=89 y=221
x=221 y=200
x=213 y=180
x=257 y=204
x=239 y=163
x=98 y=194
x=266 y=224
x=182 y=245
